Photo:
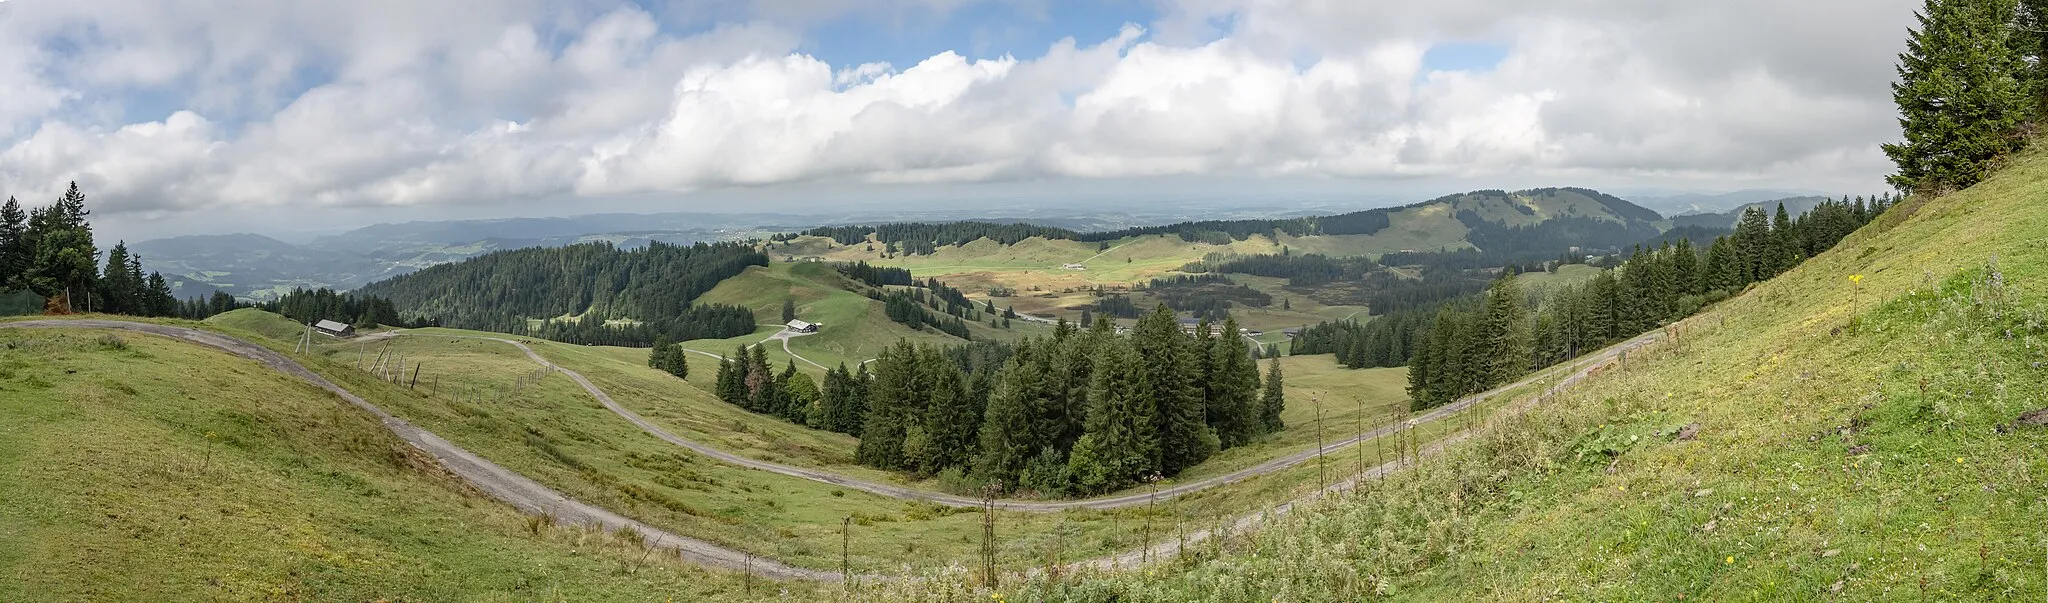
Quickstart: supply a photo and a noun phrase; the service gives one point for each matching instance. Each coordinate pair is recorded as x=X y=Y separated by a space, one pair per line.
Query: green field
x=854 y=328
x=142 y=468
x=1854 y=442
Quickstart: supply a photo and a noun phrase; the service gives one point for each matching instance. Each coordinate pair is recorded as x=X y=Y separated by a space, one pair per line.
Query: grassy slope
x=1592 y=497
x=854 y=330
x=259 y=322
x=168 y=471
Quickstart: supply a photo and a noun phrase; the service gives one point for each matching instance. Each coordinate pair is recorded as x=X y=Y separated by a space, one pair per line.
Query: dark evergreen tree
x=1169 y=368
x=15 y=255
x=788 y=310
x=1122 y=441
x=1273 y=401
x=1961 y=104
x=893 y=403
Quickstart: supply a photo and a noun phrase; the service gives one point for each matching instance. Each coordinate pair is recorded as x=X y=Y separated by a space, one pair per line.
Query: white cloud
x=479 y=102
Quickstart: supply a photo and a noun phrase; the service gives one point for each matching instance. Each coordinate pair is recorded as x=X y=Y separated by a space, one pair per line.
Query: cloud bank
x=170 y=107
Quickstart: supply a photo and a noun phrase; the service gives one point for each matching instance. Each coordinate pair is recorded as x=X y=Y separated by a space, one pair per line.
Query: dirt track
x=532 y=497
x=1577 y=369
x=514 y=489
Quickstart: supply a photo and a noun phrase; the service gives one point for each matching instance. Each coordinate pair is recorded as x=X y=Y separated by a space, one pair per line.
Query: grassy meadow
x=144 y=468
x=1817 y=438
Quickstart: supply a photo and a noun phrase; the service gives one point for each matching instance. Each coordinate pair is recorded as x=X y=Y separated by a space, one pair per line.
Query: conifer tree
x=1233 y=389
x=1008 y=429
x=158 y=297
x=781 y=403
x=1122 y=442
x=1504 y=333
x=1961 y=104
x=1273 y=401
x=788 y=310
x=1169 y=368
x=118 y=293
x=1752 y=242
x=891 y=409
x=14 y=251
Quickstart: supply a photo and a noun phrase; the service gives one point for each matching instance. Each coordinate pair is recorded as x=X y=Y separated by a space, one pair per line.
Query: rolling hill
x=147 y=468
x=1867 y=426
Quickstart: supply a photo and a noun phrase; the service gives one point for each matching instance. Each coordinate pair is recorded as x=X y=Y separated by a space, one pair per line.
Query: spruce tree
x=1170 y=368
x=951 y=415
x=1503 y=334
x=1122 y=441
x=1685 y=268
x=781 y=403
x=1233 y=388
x=158 y=297
x=1008 y=428
x=1273 y=400
x=760 y=381
x=14 y=251
x=788 y=310
x=118 y=293
x=890 y=407
x=1752 y=240
x=1961 y=104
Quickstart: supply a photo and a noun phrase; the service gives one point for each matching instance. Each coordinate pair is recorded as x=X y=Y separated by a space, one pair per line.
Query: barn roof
x=329 y=325
x=799 y=325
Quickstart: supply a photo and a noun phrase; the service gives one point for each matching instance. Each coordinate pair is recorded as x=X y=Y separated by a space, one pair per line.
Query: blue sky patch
x=1477 y=57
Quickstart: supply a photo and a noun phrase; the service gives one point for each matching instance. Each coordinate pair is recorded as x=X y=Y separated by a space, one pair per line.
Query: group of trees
x=1383 y=342
x=1083 y=411
x=1971 y=79
x=746 y=380
x=310 y=305
x=622 y=297
x=1206 y=296
x=697 y=321
x=1307 y=270
x=49 y=251
x=1474 y=346
x=668 y=357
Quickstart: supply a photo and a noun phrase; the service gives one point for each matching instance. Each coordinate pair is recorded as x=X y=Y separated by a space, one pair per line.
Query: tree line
x=1306 y=270
x=1079 y=412
x=921 y=238
x=1477 y=345
x=620 y=297
x=49 y=252
x=311 y=305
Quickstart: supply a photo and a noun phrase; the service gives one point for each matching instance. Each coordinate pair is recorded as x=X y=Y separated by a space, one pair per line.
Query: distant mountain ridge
x=1495 y=216
x=261 y=268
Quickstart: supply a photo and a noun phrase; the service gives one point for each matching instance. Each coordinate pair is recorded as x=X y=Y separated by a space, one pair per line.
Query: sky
x=206 y=116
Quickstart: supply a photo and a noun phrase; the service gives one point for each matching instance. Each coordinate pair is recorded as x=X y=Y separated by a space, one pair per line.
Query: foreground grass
x=141 y=468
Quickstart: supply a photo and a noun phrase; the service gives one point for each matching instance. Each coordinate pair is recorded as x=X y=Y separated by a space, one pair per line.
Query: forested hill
x=1492 y=217
x=642 y=293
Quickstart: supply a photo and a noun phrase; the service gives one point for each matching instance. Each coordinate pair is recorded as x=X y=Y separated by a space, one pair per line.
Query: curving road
x=532 y=497
x=1578 y=369
x=500 y=483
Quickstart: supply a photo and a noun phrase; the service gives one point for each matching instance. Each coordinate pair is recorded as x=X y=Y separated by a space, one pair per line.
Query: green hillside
x=1816 y=438
x=1058 y=273
x=141 y=468
x=258 y=322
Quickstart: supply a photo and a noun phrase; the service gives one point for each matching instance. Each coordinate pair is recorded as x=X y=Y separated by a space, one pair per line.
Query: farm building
x=1074 y=267
x=334 y=329
x=799 y=326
